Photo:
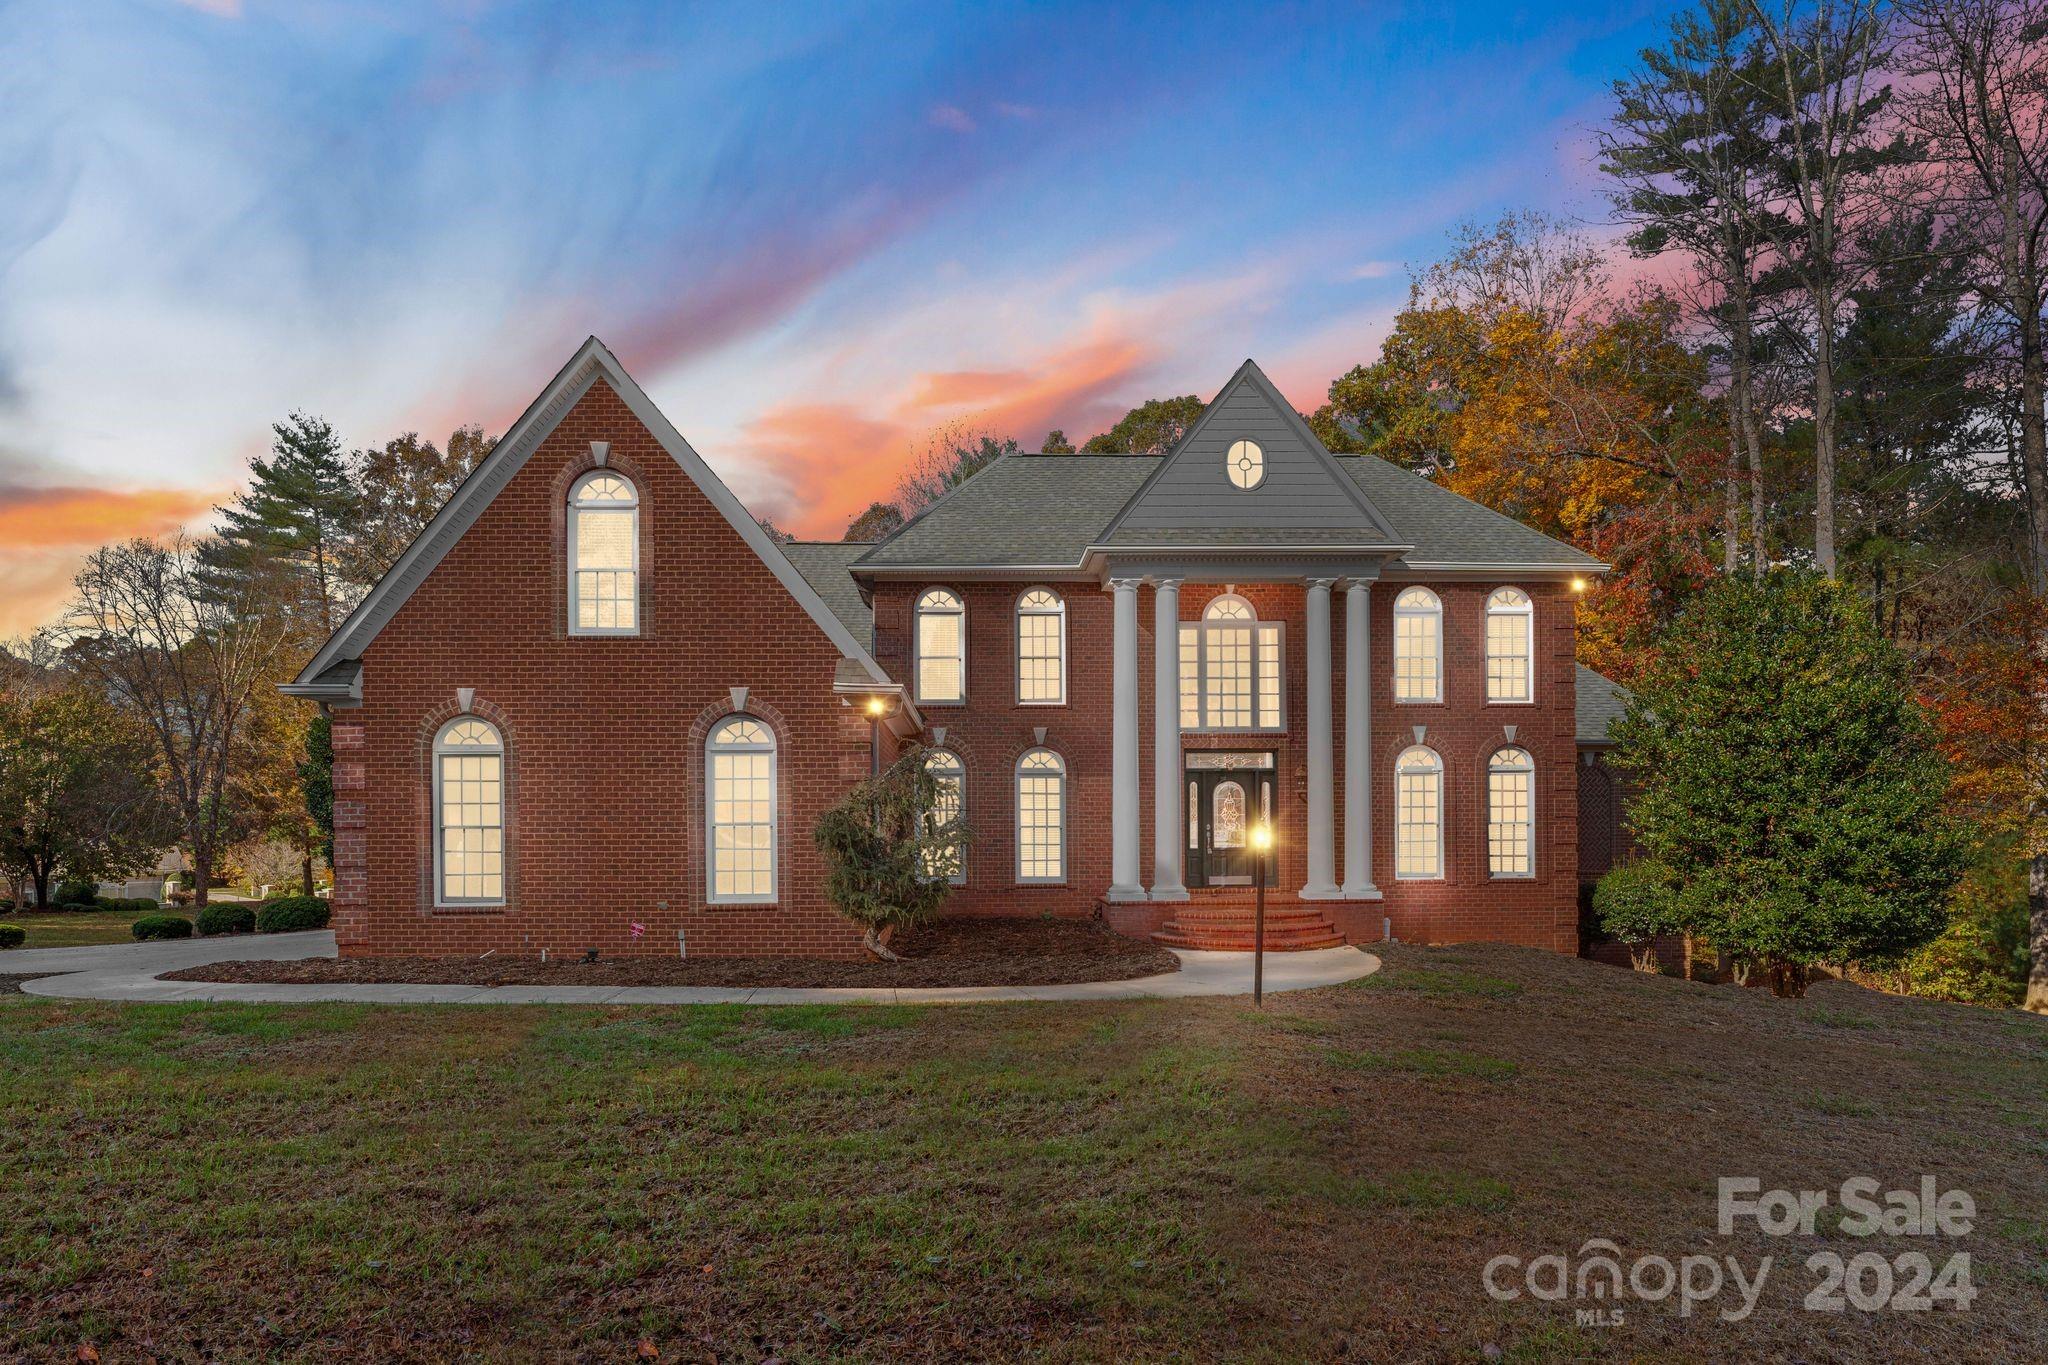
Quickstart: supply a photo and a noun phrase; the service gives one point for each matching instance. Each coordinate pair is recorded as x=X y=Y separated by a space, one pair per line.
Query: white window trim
x=1017 y=800
x=1202 y=628
x=1018 y=613
x=1491 y=769
x=1436 y=611
x=1441 y=803
x=442 y=901
x=1230 y=462
x=575 y=574
x=710 y=789
x=959 y=765
x=917 y=615
x=1527 y=611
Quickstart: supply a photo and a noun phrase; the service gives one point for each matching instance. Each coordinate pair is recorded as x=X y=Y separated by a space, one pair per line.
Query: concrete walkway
x=129 y=971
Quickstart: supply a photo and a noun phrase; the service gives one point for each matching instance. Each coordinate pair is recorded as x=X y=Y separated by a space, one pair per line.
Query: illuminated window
x=1418 y=814
x=604 y=552
x=949 y=806
x=1511 y=813
x=469 y=814
x=1041 y=817
x=1246 y=464
x=1230 y=670
x=1041 y=648
x=941 y=647
x=740 y=779
x=1418 y=646
x=1509 y=628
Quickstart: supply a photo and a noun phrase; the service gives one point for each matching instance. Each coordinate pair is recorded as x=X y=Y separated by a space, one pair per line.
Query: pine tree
x=299 y=511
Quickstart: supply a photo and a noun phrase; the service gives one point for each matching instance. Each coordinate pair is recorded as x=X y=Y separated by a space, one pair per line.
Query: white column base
x=1168 y=893
x=1368 y=892
x=1322 y=893
x=1124 y=894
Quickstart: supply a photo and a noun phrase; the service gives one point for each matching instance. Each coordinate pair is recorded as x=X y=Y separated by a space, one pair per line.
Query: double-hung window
x=1511 y=813
x=1418 y=814
x=1041 y=648
x=1510 y=620
x=1041 y=817
x=949 y=807
x=739 y=762
x=469 y=814
x=1418 y=646
x=604 y=556
x=941 y=648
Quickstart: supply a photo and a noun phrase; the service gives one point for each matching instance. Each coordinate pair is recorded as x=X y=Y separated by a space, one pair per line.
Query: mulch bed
x=960 y=952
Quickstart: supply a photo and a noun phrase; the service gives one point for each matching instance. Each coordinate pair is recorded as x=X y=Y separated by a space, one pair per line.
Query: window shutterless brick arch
x=696 y=847
x=647 y=582
x=423 y=807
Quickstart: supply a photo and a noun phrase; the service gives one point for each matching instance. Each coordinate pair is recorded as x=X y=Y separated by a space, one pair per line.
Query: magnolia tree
x=890 y=848
x=1791 y=797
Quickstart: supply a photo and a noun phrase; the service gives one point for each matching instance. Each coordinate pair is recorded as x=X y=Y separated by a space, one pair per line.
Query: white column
x=1167 y=836
x=1322 y=803
x=1123 y=804
x=1358 y=743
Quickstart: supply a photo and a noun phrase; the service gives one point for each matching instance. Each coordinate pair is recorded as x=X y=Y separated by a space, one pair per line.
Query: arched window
x=948 y=807
x=1418 y=646
x=941 y=648
x=469 y=814
x=739 y=764
x=1246 y=464
x=1511 y=813
x=1230 y=669
x=1041 y=817
x=1041 y=648
x=1418 y=814
x=1509 y=643
x=604 y=555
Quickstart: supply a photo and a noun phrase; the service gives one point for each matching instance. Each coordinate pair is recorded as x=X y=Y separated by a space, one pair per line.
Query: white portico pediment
x=1248 y=475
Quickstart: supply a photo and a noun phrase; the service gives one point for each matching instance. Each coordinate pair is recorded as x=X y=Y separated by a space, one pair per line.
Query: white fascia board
x=592 y=361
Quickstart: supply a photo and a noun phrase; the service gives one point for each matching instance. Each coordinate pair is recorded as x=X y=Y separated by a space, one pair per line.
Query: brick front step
x=1227 y=924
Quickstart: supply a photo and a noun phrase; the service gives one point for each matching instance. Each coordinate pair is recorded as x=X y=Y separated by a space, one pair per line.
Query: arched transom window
x=1509 y=644
x=941 y=647
x=740 y=786
x=604 y=555
x=1041 y=648
x=949 y=806
x=1418 y=646
x=469 y=814
x=1418 y=814
x=1230 y=669
x=1511 y=813
x=1246 y=464
x=1041 y=817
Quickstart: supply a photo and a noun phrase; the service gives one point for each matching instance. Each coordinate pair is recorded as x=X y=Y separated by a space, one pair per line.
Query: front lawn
x=1150 y=1179
x=77 y=928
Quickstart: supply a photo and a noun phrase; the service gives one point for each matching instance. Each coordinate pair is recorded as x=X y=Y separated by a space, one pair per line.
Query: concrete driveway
x=129 y=971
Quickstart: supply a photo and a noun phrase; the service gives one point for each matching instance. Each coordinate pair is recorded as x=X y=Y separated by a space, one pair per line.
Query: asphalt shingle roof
x=1048 y=509
x=824 y=564
x=1600 y=704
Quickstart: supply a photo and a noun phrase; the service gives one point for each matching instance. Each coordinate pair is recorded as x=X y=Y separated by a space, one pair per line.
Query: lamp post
x=1262 y=840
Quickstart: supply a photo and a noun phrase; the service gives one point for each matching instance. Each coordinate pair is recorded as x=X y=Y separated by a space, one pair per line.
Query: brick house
x=595 y=705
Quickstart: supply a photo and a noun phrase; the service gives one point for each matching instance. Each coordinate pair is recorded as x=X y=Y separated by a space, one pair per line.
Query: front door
x=1227 y=794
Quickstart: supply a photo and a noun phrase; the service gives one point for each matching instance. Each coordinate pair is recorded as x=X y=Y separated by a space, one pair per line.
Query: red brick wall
x=991 y=730
x=604 y=736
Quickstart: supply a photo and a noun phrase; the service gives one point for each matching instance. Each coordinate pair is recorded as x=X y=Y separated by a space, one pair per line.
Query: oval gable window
x=1246 y=464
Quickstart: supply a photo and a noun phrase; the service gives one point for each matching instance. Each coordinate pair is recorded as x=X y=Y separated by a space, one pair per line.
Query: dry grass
x=1131 y=1180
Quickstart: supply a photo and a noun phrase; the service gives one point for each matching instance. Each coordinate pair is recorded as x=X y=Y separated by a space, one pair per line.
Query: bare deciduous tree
x=184 y=652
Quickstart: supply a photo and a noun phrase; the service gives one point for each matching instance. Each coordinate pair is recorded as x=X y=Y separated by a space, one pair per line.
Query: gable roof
x=1302 y=497
x=1600 y=703
x=593 y=361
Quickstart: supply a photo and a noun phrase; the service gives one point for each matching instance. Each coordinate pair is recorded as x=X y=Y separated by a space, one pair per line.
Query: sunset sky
x=814 y=234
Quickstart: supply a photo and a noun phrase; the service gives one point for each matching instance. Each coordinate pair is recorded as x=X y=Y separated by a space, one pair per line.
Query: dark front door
x=1226 y=794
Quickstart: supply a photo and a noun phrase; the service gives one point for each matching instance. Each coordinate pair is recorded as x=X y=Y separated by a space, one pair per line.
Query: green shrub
x=161 y=926
x=77 y=893
x=227 y=919
x=12 y=935
x=123 y=903
x=289 y=914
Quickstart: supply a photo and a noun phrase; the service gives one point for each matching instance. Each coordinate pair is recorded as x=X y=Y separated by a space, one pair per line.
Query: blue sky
x=815 y=234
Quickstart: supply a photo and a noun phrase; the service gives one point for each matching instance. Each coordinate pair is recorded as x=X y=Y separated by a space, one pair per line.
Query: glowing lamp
x=1578 y=585
x=1262 y=837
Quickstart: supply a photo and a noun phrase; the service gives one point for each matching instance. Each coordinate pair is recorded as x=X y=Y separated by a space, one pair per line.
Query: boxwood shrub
x=11 y=935
x=161 y=926
x=289 y=914
x=227 y=919
x=77 y=893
